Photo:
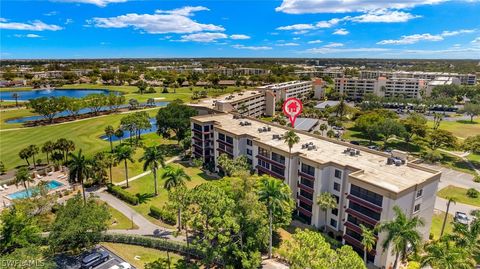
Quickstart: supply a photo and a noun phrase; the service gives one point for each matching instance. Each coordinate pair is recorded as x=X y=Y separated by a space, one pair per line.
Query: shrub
x=432 y=156
x=413 y=265
x=472 y=193
x=163 y=214
x=122 y=194
x=477 y=179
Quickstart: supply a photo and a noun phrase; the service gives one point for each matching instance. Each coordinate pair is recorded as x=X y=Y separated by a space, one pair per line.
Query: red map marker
x=292 y=107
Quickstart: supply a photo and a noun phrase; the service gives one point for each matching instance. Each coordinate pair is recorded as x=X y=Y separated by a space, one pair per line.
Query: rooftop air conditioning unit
x=397 y=162
x=241 y=123
x=265 y=129
x=260 y=130
x=275 y=136
x=352 y=153
x=269 y=128
x=311 y=147
x=389 y=161
x=303 y=146
x=357 y=152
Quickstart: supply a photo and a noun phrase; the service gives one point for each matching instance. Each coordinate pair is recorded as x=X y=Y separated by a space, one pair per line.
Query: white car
x=461 y=217
x=123 y=265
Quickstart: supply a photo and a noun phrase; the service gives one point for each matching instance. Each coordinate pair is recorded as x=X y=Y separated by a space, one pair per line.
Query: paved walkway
x=144 y=173
x=463 y=156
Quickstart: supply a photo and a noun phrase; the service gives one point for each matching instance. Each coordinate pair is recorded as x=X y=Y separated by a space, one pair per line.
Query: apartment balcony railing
x=225 y=143
x=267 y=171
x=226 y=152
x=305 y=175
x=304 y=212
x=305 y=188
x=305 y=200
x=280 y=165
x=361 y=216
x=364 y=203
x=200 y=131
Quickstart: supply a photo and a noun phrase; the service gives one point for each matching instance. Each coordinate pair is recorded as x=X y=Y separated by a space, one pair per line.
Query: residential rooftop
x=283 y=85
x=369 y=166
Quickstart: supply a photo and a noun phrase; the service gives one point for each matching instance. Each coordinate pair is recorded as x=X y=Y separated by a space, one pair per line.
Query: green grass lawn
x=84 y=133
x=474 y=159
x=138 y=256
x=456 y=163
x=145 y=187
x=437 y=222
x=119 y=221
x=13 y=114
x=460 y=194
x=461 y=129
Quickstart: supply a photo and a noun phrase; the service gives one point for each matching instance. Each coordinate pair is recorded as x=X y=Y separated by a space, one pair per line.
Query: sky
x=59 y=29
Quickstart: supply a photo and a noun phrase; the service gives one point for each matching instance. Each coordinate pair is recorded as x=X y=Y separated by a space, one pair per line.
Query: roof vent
x=275 y=136
x=242 y=123
x=260 y=130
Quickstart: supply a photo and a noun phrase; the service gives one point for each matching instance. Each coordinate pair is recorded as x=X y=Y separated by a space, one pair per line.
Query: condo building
x=285 y=90
x=357 y=88
x=367 y=184
x=465 y=79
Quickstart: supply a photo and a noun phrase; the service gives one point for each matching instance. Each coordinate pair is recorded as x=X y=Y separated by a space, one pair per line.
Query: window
x=365 y=211
x=229 y=140
x=306 y=182
x=419 y=193
x=335 y=211
x=263 y=152
x=197 y=127
x=337 y=198
x=307 y=195
x=338 y=173
x=249 y=152
x=278 y=158
x=305 y=206
x=333 y=223
x=307 y=169
x=416 y=208
x=249 y=142
x=221 y=137
x=206 y=128
x=336 y=186
x=263 y=163
x=278 y=170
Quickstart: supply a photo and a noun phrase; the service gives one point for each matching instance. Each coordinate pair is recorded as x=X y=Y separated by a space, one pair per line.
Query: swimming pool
x=51 y=185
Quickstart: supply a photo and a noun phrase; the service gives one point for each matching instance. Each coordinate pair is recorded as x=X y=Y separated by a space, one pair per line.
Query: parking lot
x=73 y=262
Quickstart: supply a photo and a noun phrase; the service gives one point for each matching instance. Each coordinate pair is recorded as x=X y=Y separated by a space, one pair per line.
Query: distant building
x=357 y=88
x=465 y=79
x=285 y=90
x=440 y=81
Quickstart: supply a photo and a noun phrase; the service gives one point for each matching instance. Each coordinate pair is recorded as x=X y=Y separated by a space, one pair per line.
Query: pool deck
x=57 y=176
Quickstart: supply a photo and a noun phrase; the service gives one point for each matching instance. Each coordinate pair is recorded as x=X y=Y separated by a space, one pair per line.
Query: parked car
x=373 y=147
x=461 y=217
x=354 y=143
x=94 y=258
x=123 y=265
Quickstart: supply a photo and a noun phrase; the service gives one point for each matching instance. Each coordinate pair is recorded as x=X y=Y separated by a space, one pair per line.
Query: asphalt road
x=73 y=262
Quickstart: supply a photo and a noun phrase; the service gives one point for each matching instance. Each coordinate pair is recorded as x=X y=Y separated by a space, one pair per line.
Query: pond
x=33 y=94
x=81 y=111
x=126 y=134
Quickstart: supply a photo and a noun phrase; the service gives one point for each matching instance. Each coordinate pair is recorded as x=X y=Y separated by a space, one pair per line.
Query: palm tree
x=175 y=177
x=449 y=201
x=16 y=96
x=48 y=148
x=153 y=157
x=22 y=176
x=124 y=153
x=33 y=150
x=323 y=127
x=368 y=241
x=119 y=134
x=467 y=237
x=326 y=201
x=79 y=167
x=109 y=161
x=401 y=233
x=290 y=138
x=275 y=195
x=444 y=254
x=24 y=154
x=110 y=132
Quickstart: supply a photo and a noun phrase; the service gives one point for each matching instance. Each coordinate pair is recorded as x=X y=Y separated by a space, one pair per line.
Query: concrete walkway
x=463 y=156
x=441 y=204
x=144 y=173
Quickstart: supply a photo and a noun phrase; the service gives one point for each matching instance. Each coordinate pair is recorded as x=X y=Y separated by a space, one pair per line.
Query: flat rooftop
x=283 y=84
x=373 y=164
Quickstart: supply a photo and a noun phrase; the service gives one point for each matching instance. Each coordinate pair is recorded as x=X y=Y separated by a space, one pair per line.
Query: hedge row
x=151 y=242
x=165 y=215
x=122 y=194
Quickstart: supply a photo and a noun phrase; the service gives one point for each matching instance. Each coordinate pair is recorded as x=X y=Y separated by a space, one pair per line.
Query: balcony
x=224 y=142
x=305 y=175
x=305 y=200
x=200 y=131
x=365 y=203
x=354 y=242
x=267 y=171
x=270 y=161
x=197 y=146
x=361 y=216
x=224 y=151
x=304 y=212
x=305 y=188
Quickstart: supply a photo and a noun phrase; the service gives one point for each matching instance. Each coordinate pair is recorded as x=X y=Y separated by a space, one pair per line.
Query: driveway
x=454 y=177
x=441 y=204
x=73 y=262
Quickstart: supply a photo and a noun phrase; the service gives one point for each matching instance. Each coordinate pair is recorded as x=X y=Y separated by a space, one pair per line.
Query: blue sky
x=233 y=28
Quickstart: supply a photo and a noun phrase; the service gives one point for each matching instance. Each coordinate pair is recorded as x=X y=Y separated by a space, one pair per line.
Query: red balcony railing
x=361 y=216
x=365 y=203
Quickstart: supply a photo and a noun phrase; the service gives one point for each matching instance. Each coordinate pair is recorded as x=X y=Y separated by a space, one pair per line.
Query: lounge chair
x=39 y=176
x=1 y=188
x=5 y=186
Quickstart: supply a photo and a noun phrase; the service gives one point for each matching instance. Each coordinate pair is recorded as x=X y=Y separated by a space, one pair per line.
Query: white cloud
x=384 y=15
x=343 y=6
x=296 y=38
x=68 y=21
x=476 y=41
x=203 y=37
x=315 y=42
x=412 y=39
x=29 y=26
x=173 y=21
x=324 y=50
x=238 y=37
x=100 y=3
x=51 y=13
x=251 y=47
x=297 y=27
x=341 y=31
x=329 y=23
x=27 y=36
x=333 y=45
x=183 y=11
x=301 y=32
x=291 y=44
